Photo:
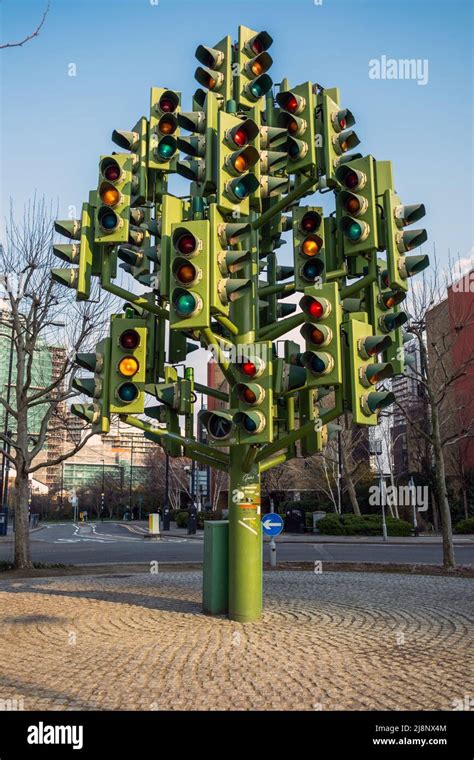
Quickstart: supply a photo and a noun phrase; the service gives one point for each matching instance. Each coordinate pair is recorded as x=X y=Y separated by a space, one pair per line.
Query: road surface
x=96 y=543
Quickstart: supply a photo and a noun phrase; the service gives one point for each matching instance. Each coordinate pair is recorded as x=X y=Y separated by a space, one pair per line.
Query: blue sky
x=54 y=126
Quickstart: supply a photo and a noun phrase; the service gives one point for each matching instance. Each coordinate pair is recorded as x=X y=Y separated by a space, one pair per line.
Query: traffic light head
x=253 y=63
x=308 y=246
x=220 y=427
x=334 y=126
x=84 y=253
x=190 y=274
x=364 y=373
x=163 y=129
x=98 y=413
x=235 y=158
x=128 y=365
x=114 y=198
x=357 y=206
x=215 y=72
x=321 y=332
x=253 y=395
x=297 y=116
x=398 y=242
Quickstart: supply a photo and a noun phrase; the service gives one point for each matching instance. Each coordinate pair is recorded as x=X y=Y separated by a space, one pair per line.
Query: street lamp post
x=62 y=489
x=166 y=507
x=377 y=450
x=102 y=498
x=131 y=477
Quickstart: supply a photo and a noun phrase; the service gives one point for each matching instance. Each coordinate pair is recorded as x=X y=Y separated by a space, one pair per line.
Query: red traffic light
x=168 y=102
x=129 y=340
x=351 y=180
x=186 y=244
x=316 y=309
x=310 y=222
x=249 y=369
x=240 y=137
x=242 y=133
x=112 y=171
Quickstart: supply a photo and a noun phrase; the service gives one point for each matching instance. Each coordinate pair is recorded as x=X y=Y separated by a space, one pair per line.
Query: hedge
x=465 y=526
x=363 y=525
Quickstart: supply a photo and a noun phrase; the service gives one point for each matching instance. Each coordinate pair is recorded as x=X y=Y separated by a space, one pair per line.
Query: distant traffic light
x=190 y=275
x=252 y=81
x=97 y=387
x=322 y=334
x=396 y=217
x=128 y=365
x=199 y=166
x=365 y=373
x=235 y=157
x=357 y=206
x=297 y=116
x=112 y=219
x=308 y=246
x=163 y=129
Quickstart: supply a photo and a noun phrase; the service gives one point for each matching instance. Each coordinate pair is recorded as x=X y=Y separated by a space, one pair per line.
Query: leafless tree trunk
x=436 y=381
x=46 y=327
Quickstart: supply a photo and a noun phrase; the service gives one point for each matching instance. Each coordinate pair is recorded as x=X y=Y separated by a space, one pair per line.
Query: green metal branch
x=227 y=323
x=211 y=392
x=368 y=279
x=187 y=443
x=272 y=332
x=127 y=295
x=274 y=462
x=284 y=442
x=286 y=201
x=212 y=340
x=268 y=290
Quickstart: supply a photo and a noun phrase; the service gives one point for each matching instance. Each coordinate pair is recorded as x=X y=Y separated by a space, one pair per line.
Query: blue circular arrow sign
x=272 y=524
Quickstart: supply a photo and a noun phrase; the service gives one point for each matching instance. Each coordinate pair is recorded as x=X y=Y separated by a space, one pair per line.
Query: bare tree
x=178 y=476
x=31 y=36
x=445 y=423
x=36 y=310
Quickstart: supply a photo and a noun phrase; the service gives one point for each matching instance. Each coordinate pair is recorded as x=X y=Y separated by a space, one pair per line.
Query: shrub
x=206 y=517
x=331 y=525
x=362 y=525
x=398 y=527
x=181 y=519
x=465 y=526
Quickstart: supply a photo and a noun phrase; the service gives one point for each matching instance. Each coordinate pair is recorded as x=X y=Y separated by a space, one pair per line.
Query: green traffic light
x=166 y=148
x=127 y=392
x=354 y=231
x=186 y=304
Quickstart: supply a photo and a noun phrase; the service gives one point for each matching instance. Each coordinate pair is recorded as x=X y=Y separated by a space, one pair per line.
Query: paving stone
x=346 y=641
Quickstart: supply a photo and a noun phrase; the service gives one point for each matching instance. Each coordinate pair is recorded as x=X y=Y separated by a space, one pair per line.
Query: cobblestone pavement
x=349 y=641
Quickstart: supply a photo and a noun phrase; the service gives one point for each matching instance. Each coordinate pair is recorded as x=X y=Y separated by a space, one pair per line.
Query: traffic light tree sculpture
x=208 y=263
